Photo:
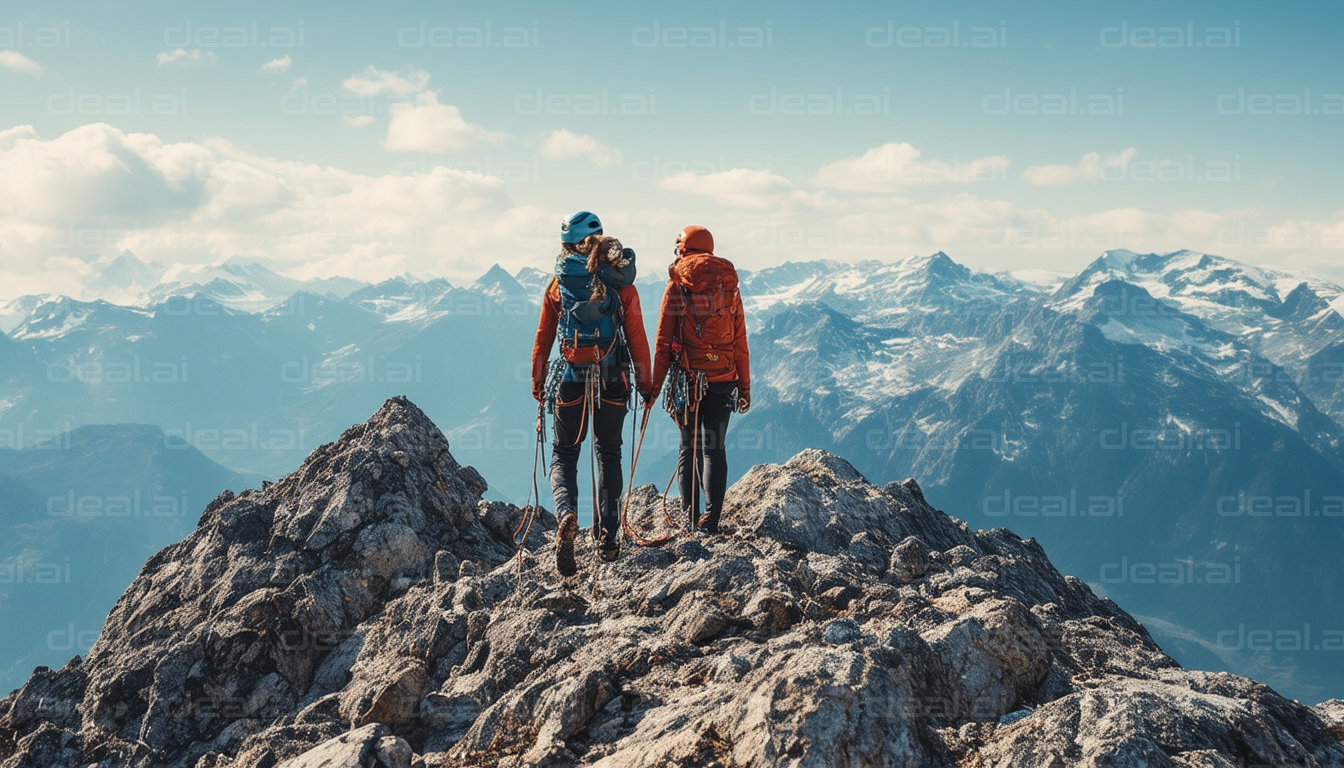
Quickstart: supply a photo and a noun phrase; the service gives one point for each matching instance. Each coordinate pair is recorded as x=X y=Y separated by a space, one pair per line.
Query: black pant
x=573 y=412
x=705 y=440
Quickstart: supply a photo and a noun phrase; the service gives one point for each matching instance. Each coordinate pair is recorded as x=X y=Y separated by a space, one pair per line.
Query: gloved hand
x=743 y=400
x=538 y=391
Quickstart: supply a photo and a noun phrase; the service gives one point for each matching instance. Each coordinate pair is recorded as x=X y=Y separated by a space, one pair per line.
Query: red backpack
x=708 y=309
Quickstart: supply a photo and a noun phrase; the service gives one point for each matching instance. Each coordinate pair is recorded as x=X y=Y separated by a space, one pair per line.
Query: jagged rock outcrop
x=365 y=611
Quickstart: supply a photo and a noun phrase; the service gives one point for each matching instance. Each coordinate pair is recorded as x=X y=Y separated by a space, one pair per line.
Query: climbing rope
x=592 y=393
x=533 y=504
x=683 y=389
x=555 y=374
x=626 y=528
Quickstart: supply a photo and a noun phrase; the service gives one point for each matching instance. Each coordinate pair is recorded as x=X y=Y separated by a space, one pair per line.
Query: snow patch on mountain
x=59 y=317
x=14 y=311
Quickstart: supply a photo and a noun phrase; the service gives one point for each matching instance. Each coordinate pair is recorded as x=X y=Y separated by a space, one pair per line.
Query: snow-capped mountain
x=239 y=285
x=905 y=293
x=533 y=280
x=503 y=286
x=1140 y=412
x=127 y=280
x=1285 y=317
x=1126 y=417
x=256 y=390
x=14 y=311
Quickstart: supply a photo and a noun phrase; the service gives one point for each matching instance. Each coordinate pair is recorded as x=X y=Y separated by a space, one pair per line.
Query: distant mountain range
x=81 y=511
x=1152 y=420
x=1167 y=425
x=235 y=283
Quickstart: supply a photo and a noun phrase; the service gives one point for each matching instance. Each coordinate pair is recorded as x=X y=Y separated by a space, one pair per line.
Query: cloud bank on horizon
x=348 y=143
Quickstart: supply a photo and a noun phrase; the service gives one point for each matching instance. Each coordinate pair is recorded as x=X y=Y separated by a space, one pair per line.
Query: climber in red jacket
x=702 y=343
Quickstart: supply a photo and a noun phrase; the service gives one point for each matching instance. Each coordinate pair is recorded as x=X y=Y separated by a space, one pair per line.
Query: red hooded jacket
x=700 y=272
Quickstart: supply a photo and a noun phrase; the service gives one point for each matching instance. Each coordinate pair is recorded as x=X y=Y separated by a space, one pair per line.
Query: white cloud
x=98 y=189
x=191 y=202
x=277 y=66
x=17 y=62
x=1090 y=168
x=183 y=57
x=421 y=124
x=425 y=125
x=761 y=221
x=898 y=165
x=373 y=81
x=564 y=144
x=358 y=121
x=12 y=136
x=738 y=188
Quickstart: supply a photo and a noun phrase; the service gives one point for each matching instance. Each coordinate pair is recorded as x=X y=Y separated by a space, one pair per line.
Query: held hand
x=649 y=398
x=538 y=391
x=743 y=400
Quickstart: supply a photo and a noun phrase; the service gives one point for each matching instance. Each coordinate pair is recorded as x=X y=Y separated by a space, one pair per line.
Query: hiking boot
x=608 y=546
x=709 y=523
x=564 y=544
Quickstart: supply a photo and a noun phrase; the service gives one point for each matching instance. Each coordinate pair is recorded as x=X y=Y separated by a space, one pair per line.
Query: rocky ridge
x=366 y=610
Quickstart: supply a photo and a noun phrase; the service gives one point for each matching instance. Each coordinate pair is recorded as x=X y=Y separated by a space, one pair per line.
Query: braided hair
x=601 y=251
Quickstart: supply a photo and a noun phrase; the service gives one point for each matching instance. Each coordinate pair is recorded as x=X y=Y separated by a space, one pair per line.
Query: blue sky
x=361 y=140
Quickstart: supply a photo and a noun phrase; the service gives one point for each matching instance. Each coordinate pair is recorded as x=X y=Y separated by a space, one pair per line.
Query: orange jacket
x=635 y=338
x=687 y=271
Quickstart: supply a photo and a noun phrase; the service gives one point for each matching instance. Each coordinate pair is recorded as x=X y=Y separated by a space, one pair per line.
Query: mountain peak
x=497 y=280
x=529 y=273
x=1224 y=292
x=940 y=266
x=127 y=270
x=363 y=611
x=816 y=327
x=533 y=280
x=236 y=265
x=57 y=316
x=315 y=553
x=338 y=486
x=1117 y=258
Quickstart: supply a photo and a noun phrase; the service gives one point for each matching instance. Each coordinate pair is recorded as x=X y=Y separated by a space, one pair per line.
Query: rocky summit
x=368 y=610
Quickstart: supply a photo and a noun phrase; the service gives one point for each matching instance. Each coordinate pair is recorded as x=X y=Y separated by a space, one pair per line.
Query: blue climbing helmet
x=579 y=225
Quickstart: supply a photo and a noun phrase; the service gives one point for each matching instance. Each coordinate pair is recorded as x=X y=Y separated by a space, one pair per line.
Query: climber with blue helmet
x=592 y=306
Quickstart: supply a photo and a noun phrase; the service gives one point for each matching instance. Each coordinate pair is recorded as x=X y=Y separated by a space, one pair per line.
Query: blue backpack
x=591 y=331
